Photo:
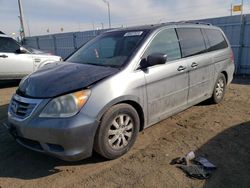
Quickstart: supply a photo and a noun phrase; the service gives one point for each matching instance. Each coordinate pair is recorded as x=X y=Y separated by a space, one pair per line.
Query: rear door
x=200 y=63
x=167 y=84
x=218 y=48
x=12 y=64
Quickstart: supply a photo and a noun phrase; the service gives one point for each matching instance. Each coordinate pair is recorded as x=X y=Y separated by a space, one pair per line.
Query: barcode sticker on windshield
x=133 y=33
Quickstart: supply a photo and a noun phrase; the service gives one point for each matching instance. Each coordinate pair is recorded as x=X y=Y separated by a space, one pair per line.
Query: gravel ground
x=220 y=132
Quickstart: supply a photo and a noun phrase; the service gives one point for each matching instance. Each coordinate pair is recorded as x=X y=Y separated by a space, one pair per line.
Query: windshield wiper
x=103 y=65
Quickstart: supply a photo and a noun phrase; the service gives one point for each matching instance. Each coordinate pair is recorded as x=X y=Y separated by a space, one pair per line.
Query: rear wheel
x=219 y=89
x=117 y=132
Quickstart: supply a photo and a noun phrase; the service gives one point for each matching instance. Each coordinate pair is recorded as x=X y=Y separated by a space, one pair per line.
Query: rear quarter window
x=215 y=39
x=191 y=41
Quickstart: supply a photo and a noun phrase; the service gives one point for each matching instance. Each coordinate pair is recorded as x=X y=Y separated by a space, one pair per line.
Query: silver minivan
x=118 y=84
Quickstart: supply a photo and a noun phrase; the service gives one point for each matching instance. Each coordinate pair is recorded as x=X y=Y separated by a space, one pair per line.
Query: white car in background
x=17 y=62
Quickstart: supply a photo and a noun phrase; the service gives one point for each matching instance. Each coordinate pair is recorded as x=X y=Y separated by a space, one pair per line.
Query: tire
x=219 y=89
x=117 y=132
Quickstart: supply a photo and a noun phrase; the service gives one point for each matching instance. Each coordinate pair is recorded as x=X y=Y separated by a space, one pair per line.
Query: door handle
x=194 y=65
x=3 y=56
x=181 y=68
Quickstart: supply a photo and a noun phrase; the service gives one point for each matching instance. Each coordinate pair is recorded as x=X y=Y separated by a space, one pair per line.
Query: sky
x=41 y=16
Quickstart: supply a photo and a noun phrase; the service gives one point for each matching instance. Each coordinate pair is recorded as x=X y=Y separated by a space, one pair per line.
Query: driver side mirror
x=153 y=59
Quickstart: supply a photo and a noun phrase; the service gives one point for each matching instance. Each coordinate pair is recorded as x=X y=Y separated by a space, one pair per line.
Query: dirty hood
x=60 y=78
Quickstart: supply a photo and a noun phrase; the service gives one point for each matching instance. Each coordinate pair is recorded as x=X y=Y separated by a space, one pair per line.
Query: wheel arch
x=226 y=75
x=132 y=101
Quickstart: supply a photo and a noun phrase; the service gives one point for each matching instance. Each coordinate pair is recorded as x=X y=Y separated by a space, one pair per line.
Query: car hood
x=61 y=78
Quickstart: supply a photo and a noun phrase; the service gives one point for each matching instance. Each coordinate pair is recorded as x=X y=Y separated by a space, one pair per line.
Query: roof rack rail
x=2 y=33
x=196 y=22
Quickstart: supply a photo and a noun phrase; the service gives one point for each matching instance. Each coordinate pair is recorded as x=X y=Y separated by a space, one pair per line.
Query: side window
x=8 y=45
x=216 y=39
x=165 y=42
x=191 y=41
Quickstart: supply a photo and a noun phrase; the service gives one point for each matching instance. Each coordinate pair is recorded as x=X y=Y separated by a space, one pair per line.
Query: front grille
x=22 y=107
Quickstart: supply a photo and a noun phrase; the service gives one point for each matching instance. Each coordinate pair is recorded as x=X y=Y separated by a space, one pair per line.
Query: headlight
x=66 y=105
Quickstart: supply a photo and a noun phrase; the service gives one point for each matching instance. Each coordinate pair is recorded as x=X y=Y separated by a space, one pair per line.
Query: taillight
x=232 y=56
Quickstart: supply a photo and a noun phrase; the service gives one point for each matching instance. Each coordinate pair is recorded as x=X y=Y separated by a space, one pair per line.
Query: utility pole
x=28 y=26
x=22 y=32
x=241 y=17
x=241 y=40
x=231 y=9
x=242 y=6
x=105 y=1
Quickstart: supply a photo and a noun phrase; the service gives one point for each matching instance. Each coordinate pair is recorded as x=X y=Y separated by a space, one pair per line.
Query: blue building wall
x=238 y=34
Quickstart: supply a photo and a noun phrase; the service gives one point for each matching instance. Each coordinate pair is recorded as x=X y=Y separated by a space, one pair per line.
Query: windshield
x=110 y=49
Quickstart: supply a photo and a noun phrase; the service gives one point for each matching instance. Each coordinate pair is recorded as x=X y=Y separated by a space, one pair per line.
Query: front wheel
x=117 y=132
x=219 y=89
